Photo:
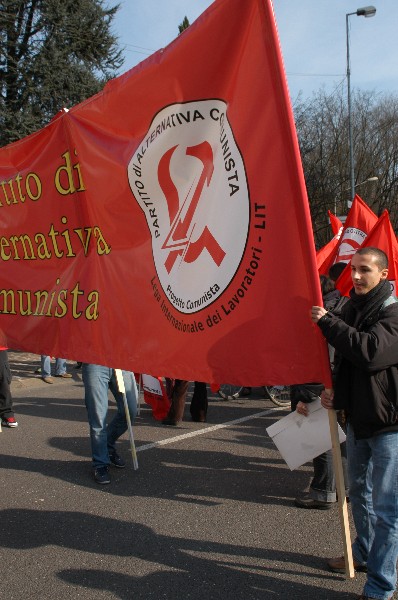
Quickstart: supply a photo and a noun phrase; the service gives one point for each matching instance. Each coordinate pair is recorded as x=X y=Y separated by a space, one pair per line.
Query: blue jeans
x=373 y=484
x=60 y=366
x=97 y=380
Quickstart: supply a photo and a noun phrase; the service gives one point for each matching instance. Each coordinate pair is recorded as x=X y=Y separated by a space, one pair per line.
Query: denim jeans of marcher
x=373 y=484
x=60 y=366
x=97 y=381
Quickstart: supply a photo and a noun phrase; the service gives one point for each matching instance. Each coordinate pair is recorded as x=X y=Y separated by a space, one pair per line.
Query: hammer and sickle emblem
x=178 y=240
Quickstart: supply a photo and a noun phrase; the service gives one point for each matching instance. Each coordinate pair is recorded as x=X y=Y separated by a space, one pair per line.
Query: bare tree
x=322 y=127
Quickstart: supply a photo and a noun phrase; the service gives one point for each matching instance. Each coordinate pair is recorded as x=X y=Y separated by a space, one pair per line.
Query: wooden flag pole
x=342 y=500
x=122 y=390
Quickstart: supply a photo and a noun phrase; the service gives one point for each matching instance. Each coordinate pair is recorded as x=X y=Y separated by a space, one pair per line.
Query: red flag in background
x=163 y=226
x=335 y=223
x=359 y=222
x=381 y=236
x=324 y=255
x=155 y=395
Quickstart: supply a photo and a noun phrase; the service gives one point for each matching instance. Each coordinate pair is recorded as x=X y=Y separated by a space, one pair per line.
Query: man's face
x=366 y=273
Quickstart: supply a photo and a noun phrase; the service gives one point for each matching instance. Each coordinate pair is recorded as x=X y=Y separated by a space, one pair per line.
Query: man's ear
x=384 y=274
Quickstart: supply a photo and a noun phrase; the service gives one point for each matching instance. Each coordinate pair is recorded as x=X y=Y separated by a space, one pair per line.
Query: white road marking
x=205 y=430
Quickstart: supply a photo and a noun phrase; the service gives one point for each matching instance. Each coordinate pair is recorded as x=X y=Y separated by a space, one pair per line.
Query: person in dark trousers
x=365 y=337
x=6 y=412
x=322 y=492
x=177 y=390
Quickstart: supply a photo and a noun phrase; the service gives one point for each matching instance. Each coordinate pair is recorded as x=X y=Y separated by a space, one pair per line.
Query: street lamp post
x=367 y=11
x=368 y=180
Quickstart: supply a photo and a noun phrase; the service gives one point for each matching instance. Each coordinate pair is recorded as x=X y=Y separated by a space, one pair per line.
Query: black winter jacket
x=366 y=377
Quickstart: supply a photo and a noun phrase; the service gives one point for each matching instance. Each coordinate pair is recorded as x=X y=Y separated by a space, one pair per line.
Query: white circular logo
x=188 y=177
x=352 y=239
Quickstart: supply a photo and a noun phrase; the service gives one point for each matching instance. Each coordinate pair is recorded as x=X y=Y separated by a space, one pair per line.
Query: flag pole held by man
x=365 y=337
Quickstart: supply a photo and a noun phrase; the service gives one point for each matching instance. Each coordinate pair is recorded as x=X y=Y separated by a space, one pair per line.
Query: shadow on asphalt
x=210 y=569
x=52 y=408
x=205 y=474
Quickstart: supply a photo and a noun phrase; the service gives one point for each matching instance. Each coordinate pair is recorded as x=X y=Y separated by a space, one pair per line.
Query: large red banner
x=162 y=226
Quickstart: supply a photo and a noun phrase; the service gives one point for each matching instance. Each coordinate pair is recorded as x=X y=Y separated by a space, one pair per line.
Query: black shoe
x=168 y=421
x=101 y=475
x=116 y=460
x=307 y=502
x=200 y=417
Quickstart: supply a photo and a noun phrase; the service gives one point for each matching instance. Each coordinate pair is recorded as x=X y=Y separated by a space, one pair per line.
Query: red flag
x=325 y=254
x=359 y=222
x=381 y=236
x=155 y=395
x=162 y=226
x=335 y=223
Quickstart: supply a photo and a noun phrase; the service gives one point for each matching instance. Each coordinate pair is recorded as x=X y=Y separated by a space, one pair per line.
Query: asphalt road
x=208 y=514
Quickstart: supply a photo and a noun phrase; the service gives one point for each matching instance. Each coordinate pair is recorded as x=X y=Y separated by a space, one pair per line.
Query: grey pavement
x=208 y=514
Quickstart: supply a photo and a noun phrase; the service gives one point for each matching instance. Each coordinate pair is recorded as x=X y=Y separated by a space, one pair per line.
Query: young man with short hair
x=365 y=337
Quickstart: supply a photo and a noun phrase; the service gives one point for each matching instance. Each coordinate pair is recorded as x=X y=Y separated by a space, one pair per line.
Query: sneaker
x=48 y=379
x=9 y=422
x=116 y=460
x=64 y=375
x=307 y=502
x=337 y=565
x=101 y=475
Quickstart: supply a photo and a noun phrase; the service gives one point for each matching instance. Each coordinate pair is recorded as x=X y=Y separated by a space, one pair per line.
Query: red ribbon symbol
x=178 y=239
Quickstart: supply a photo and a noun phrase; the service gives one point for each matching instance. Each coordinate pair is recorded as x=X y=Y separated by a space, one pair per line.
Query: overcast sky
x=312 y=35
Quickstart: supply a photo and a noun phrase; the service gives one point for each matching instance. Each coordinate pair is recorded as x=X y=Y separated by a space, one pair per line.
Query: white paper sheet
x=299 y=439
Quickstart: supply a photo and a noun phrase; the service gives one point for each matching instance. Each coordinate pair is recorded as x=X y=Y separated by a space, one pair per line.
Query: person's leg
x=199 y=402
x=179 y=395
x=169 y=387
x=45 y=364
x=96 y=380
x=5 y=393
x=118 y=425
x=60 y=366
x=322 y=492
x=323 y=484
x=359 y=481
x=383 y=553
